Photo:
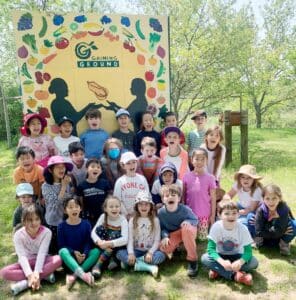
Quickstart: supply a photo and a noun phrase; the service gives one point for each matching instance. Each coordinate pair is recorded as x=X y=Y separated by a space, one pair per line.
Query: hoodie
x=155 y=191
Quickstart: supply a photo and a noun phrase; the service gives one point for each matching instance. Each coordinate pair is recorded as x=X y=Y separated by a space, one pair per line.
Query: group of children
x=131 y=199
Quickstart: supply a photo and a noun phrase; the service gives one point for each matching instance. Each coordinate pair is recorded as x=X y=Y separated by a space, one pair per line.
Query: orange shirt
x=35 y=178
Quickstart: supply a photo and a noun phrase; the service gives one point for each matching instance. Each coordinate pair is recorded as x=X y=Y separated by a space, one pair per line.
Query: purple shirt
x=197 y=195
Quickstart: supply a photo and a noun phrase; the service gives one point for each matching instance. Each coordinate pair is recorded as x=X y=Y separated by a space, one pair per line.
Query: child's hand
x=66 y=180
x=236 y=265
x=79 y=256
x=131 y=259
x=34 y=281
x=102 y=244
x=226 y=197
x=165 y=242
x=289 y=230
x=185 y=224
x=243 y=212
x=148 y=257
x=226 y=264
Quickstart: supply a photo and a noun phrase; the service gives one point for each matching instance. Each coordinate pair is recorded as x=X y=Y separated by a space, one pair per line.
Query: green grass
x=273 y=152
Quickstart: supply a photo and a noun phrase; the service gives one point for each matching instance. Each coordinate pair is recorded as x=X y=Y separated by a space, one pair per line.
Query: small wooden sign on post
x=236 y=118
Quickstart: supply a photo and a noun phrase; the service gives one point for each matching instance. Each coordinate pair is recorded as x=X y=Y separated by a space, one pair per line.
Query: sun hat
x=25 y=129
x=65 y=119
x=248 y=170
x=127 y=156
x=199 y=113
x=57 y=159
x=167 y=130
x=143 y=196
x=122 y=112
x=24 y=189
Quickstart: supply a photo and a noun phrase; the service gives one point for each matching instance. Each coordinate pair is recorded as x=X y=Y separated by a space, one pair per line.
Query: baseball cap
x=122 y=112
x=199 y=113
x=167 y=130
x=127 y=156
x=65 y=119
x=24 y=189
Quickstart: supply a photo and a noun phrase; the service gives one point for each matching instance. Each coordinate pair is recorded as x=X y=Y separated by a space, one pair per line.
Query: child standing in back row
x=216 y=151
x=94 y=137
x=34 y=138
x=196 y=136
x=147 y=130
x=174 y=153
x=199 y=192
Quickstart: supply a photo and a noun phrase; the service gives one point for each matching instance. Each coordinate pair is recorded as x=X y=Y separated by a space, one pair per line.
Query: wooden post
x=244 y=137
x=228 y=137
x=6 y=118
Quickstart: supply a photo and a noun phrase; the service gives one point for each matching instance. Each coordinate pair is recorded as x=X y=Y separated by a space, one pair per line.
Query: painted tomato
x=149 y=76
x=151 y=92
x=61 y=43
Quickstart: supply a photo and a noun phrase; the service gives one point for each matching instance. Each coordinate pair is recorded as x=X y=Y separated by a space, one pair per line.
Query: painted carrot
x=49 y=58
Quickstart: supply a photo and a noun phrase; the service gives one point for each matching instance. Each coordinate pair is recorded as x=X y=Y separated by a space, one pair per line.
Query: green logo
x=83 y=50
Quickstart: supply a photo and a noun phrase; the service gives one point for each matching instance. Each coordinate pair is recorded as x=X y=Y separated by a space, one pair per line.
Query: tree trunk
x=258 y=118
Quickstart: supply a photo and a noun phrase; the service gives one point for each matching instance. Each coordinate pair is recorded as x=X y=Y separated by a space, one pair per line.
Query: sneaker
x=123 y=265
x=18 y=287
x=96 y=272
x=70 y=280
x=244 y=278
x=284 y=248
x=213 y=275
x=112 y=265
x=258 y=242
x=192 y=269
x=88 y=278
x=154 y=271
x=50 y=278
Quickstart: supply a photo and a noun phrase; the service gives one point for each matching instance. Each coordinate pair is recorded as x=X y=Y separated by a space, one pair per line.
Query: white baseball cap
x=24 y=189
x=127 y=156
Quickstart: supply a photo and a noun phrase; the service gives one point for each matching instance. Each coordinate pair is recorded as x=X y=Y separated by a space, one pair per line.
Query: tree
x=208 y=40
x=268 y=77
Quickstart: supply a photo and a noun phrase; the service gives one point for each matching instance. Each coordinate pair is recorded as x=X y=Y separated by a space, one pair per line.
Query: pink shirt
x=28 y=248
x=197 y=195
x=43 y=146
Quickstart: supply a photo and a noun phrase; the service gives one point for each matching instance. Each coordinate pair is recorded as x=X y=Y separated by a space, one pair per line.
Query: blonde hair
x=256 y=183
x=171 y=189
x=218 y=149
x=109 y=197
x=273 y=189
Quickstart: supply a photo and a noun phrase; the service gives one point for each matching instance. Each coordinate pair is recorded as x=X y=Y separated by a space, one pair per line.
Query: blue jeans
x=211 y=264
x=157 y=258
x=287 y=237
x=248 y=220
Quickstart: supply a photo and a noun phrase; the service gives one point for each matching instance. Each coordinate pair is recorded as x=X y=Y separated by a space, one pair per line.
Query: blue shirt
x=93 y=141
x=171 y=221
x=75 y=237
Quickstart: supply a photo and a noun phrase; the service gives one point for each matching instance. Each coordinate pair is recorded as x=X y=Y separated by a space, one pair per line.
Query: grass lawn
x=274 y=154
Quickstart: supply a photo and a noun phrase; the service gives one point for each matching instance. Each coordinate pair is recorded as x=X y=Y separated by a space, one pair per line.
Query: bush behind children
x=112 y=219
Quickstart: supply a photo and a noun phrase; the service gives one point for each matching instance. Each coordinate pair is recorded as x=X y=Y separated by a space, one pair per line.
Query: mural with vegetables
x=69 y=63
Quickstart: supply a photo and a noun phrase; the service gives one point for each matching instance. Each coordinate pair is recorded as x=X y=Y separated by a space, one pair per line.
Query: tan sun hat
x=248 y=170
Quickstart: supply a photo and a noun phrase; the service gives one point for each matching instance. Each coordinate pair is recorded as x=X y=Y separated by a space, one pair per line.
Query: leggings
x=71 y=262
x=15 y=272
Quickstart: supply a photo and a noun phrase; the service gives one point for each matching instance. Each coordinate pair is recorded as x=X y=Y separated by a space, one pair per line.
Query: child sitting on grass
x=229 y=252
x=274 y=223
x=178 y=224
x=31 y=244
x=143 y=238
x=75 y=244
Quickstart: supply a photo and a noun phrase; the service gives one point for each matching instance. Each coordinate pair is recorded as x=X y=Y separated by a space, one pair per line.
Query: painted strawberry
x=43 y=112
x=61 y=43
x=149 y=75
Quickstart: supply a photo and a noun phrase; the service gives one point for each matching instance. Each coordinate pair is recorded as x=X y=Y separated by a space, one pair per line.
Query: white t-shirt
x=244 y=198
x=63 y=143
x=126 y=189
x=143 y=238
x=230 y=242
